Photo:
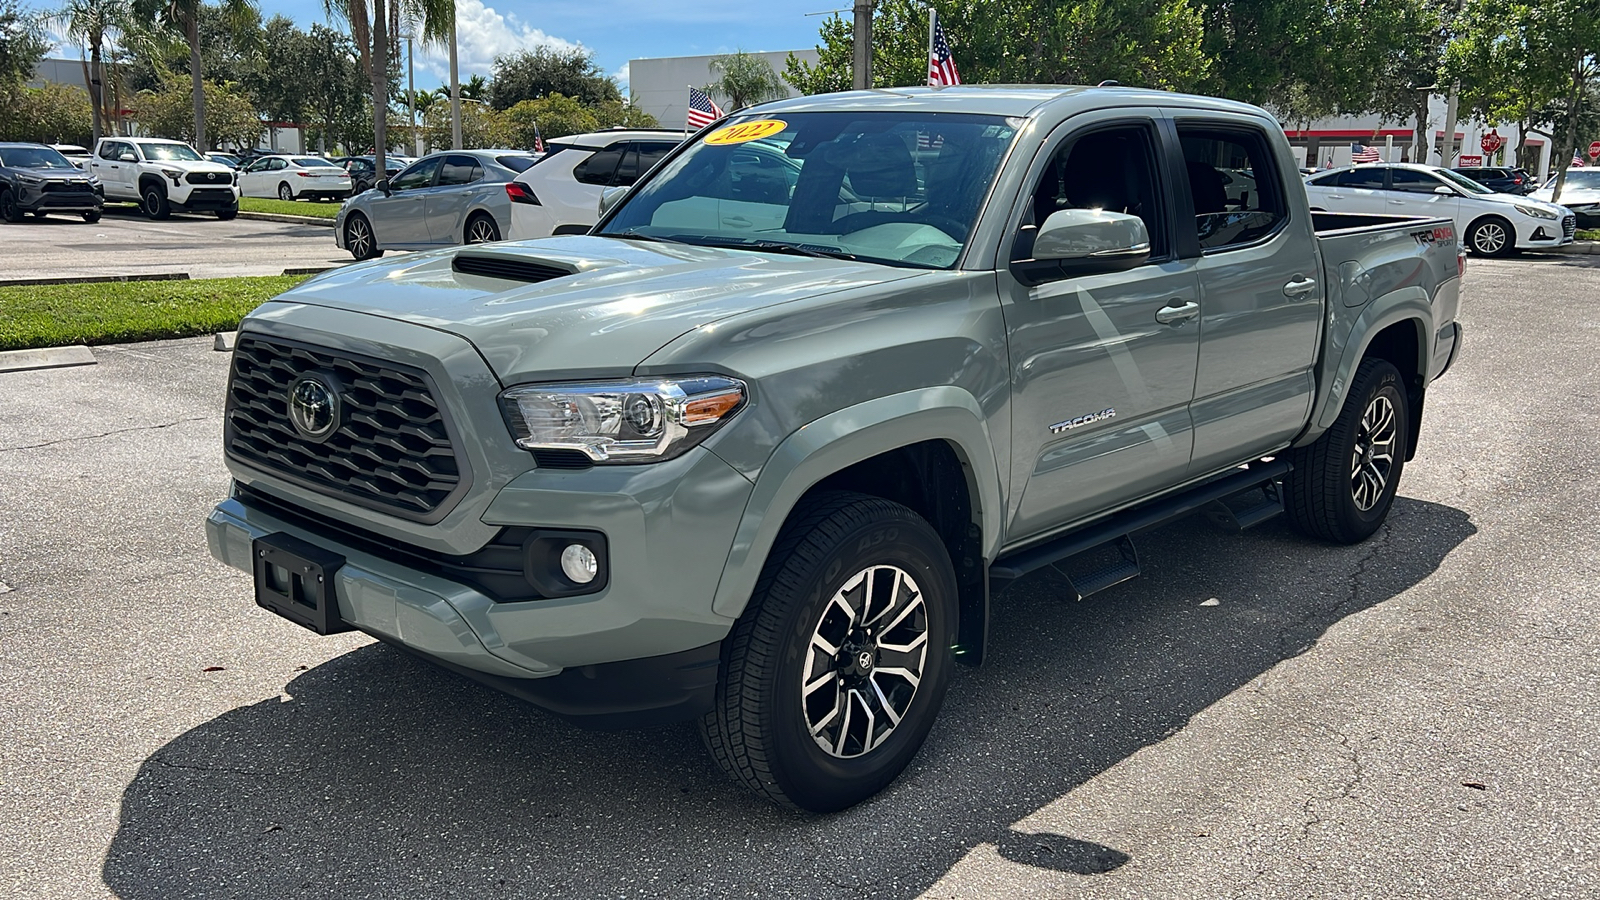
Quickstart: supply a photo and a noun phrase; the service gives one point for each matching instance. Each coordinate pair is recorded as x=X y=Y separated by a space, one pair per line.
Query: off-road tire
x=758 y=729
x=153 y=201
x=1320 y=494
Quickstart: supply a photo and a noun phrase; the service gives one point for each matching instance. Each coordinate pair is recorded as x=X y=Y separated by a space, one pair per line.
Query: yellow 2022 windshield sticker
x=746 y=131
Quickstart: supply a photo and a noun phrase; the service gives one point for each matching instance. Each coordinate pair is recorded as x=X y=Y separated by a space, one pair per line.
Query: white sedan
x=1491 y=224
x=293 y=177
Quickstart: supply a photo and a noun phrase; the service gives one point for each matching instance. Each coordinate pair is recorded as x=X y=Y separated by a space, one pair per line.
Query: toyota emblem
x=313 y=407
x=211 y=176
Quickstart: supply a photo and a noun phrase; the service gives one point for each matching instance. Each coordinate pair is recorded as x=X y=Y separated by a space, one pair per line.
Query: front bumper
x=1545 y=233
x=37 y=200
x=206 y=199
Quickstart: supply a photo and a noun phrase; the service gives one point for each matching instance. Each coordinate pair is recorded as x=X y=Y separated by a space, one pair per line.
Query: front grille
x=508 y=269
x=68 y=187
x=391 y=449
x=210 y=178
x=1569 y=227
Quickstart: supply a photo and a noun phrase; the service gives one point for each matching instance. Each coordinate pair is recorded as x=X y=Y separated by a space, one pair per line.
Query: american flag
x=1577 y=161
x=1360 y=154
x=702 y=111
x=538 y=139
x=941 y=67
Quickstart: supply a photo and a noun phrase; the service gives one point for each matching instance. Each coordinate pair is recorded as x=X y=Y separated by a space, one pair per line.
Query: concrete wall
x=660 y=87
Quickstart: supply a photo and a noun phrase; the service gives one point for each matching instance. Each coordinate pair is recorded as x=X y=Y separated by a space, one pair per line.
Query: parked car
x=454 y=197
x=1581 y=194
x=227 y=159
x=1500 y=179
x=561 y=191
x=163 y=176
x=362 y=170
x=1492 y=224
x=290 y=178
x=40 y=180
x=674 y=470
x=77 y=155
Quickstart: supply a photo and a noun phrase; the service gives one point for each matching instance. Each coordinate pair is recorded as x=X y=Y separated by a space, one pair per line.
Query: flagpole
x=933 y=24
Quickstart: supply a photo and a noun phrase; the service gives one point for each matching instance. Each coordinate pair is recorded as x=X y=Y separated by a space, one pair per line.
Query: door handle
x=1299 y=286
x=1177 y=315
x=736 y=221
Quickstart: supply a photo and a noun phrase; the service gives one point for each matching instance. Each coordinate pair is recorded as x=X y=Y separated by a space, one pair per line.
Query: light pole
x=411 y=93
x=861 y=65
x=455 y=87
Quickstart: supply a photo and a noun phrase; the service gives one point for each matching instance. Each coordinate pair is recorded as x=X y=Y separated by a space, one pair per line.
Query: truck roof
x=1001 y=99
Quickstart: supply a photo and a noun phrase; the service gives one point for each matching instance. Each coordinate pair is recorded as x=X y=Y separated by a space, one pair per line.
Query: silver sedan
x=443 y=199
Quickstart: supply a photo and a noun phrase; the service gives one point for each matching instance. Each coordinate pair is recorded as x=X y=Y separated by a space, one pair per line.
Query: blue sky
x=616 y=30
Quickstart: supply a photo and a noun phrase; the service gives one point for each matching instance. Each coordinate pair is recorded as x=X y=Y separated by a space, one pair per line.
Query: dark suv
x=37 y=179
x=1500 y=179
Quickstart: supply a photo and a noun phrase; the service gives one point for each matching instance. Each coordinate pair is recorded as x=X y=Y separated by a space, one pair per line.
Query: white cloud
x=482 y=34
x=621 y=77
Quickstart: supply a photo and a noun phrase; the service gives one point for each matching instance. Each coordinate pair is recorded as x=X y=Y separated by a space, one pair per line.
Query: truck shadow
x=380 y=776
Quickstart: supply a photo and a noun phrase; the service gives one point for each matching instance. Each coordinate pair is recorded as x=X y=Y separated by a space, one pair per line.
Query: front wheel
x=1491 y=236
x=9 y=210
x=359 y=239
x=1343 y=484
x=92 y=216
x=155 y=203
x=834 y=674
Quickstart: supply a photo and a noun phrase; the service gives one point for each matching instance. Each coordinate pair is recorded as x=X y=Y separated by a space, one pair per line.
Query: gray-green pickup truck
x=759 y=450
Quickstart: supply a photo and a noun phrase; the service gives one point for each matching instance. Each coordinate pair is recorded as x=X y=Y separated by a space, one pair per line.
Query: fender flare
x=844 y=438
x=1406 y=304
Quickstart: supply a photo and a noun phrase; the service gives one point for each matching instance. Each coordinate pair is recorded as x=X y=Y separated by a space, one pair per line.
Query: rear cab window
x=1235 y=185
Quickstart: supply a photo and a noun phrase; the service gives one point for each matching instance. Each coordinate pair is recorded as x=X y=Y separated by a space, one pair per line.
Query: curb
x=292 y=220
x=95 y=279
x=46 y=358
x=1581 y=248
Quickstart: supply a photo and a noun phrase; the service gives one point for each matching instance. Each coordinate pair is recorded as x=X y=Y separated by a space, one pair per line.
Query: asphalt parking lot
x=1260 y=716
x=124 y=242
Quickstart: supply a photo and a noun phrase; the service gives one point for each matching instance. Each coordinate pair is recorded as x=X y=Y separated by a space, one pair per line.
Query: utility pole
x=861 y=65
x=1447 y=152
x=455 y=87
x=411 y=90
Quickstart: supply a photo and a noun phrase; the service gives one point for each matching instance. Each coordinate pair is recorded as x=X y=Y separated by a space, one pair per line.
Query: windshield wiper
x=775 y=247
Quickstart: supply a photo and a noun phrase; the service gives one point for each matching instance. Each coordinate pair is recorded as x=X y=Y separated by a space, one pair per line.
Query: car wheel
x=1343 y=484
x=92 y=217
x=285 y=193
x=1491 y=236
x=9 y=210
x=227 y=214
x=481 y=229
x=155 y=203
x=359 y=239
x=834 y=674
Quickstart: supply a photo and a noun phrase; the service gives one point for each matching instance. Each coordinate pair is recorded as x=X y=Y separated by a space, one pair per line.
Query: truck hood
x=193 y=165
x=576 y=306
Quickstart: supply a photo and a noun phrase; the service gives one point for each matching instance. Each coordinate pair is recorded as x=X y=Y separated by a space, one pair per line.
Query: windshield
x=313 y=161
x=1578 y=179
x=1462 y=182
x=897 y=188
x=174 y=152
x=34 y=158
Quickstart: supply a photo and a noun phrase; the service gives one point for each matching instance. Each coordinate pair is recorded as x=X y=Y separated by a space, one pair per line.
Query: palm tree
x=745 y=79
x=182 y=17
x=95 y=25
x=375 y=28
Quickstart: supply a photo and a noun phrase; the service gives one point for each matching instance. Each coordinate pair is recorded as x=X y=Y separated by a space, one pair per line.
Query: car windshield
x=1580 y=179
x=313 y=161
x=34 y=158
x=172 y=152
x=1462 y=182
x=897 y=188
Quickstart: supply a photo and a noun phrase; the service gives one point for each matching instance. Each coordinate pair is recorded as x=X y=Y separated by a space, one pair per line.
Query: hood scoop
x=510 y=268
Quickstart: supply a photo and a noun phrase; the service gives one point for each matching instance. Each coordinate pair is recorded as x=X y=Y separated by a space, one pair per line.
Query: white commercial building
x=660 y=87
x=1328 y=142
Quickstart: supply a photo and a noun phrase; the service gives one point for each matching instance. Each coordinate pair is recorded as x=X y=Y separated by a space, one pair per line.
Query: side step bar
x=1109 y=557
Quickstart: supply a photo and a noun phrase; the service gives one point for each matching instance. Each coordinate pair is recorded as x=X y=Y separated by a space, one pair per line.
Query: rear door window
x=459 y=170
x=600 y=167
x=1411 y=181
x=1234 y=182
x=1370 y=179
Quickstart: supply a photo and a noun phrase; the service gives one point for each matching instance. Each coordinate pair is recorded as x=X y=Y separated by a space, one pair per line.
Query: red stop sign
x=1594 y=150
x=1491 y=142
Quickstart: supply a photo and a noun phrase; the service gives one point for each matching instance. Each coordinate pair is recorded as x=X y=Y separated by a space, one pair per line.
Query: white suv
x=560 y=194
x=164 y=175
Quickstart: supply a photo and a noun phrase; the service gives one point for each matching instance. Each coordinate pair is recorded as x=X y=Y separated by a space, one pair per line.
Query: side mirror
x=609 y=197
x=383 y=185
x=128 y=156
x=1445 y=191
x=1083 y=242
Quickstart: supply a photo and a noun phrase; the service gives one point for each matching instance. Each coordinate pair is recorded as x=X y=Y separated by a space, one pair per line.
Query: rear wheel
x=1491 y=236
x=92 y=216
x=359 y=239
x=1343 y=484
x=481 y=229
x=833 y=676
x=285 y=193
x=8 y=207
x=154 y=201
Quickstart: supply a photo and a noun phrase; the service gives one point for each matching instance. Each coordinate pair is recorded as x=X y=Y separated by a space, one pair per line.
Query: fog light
x=579 y=563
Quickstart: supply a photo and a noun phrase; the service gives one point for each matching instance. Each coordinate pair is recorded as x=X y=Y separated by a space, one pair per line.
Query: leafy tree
x=1572 y=29
x=475 y=88
x=53 y=114
x=183 y=17
x=481 y=126
x=616 y=114
x=555 y=115
x=22 y=45
x=95 y=25
x=374 y=29
x=230 y=116
x=1506 y=68
x=542 y=71
x=744 y=79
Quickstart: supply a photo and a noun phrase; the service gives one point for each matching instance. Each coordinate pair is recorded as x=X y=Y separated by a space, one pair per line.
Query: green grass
x=312 y=208
x=60 y=314
x=1592 y=234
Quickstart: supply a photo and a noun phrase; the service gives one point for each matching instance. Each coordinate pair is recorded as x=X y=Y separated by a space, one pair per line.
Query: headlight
x=1536 y=211
x=624 y=421
x=30 y=179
